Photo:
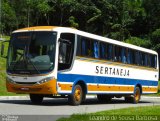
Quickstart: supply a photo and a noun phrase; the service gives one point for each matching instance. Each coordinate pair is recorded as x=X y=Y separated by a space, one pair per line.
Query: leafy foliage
x=138 y=41
x=124 y=20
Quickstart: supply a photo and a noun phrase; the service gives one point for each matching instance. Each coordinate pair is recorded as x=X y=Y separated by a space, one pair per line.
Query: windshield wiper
x=26 y=60
x=15 y=65
x=29 y=60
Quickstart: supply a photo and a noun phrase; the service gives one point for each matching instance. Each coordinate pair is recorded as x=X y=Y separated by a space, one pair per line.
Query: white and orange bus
x=49 y=61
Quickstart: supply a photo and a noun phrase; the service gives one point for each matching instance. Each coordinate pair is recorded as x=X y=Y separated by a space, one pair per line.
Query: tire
x=36 y=99
x=77 y=96
x=137 y=95
x=103 y=98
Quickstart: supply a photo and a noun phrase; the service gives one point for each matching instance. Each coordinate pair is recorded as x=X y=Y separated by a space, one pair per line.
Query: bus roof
x=86 y=34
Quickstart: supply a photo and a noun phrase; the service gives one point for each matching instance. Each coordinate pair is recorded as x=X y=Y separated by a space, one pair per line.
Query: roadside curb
x=27 y=97
x=151 y=97
x=13 y=97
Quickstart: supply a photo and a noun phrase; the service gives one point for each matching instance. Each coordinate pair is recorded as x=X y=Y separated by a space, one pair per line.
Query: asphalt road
x=21 y=106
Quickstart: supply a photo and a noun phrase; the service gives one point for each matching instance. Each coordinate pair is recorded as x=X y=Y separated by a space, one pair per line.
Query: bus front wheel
x=76 y=97
x=36 y=98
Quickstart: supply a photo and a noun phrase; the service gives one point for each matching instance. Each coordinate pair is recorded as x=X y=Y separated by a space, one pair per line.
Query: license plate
x=24 y=88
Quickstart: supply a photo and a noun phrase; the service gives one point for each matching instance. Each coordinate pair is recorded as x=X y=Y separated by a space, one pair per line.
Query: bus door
x=65 y=56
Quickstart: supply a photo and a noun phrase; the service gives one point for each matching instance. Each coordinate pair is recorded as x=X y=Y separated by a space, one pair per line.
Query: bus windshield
x=31 y=52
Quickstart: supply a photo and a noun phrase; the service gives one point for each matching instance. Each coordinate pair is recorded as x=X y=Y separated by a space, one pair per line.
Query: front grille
x=26 y=83
x=29 y=89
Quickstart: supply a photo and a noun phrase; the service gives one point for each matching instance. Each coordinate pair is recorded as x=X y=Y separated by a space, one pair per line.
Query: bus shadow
x=64 y=102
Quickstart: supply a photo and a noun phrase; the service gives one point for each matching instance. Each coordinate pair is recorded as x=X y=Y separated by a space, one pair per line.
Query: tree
x=9 y=21
x=43 y=9
x=155 y=38
x=152 y=8
x=139 y=42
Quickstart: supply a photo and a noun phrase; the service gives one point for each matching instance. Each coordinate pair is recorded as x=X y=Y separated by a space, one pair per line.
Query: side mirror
x=2 y=49
x=3 y=52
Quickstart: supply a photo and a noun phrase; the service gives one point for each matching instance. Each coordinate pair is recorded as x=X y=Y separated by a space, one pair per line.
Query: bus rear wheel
x=135 y=97
x=36 y=98
x=76 y=97
x=103 y=98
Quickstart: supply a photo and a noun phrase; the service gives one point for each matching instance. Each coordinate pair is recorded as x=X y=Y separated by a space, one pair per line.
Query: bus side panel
x=107 y=77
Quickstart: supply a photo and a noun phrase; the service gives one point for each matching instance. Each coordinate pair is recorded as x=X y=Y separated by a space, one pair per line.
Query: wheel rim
x=77 y=94
x=137 y=95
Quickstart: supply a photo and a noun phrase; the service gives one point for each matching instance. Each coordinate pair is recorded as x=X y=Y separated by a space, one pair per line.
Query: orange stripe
x=66 y=86
x=37 y=28
x=109 y=88
x=150 y=89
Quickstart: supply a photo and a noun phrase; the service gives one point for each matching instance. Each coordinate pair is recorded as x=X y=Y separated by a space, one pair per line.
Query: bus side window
x=134 y=56
x=123 y=55
x=83 y=45
x=116 y=53
x=146 y=59
x=119 y=54
x=155 y=61
x=110 y=51
x=66 y=50
x=103 y=50
x=128 y=56
x=87 y=47
x=113 y=53
x=137 y=58
x=79 y=46
x=96 y=49
x=149 y=60
x=131 y=56
x=140 y=59
x=143 y=59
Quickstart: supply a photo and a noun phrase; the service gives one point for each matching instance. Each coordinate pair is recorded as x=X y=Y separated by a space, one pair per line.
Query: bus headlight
x=10 y=80
x=45 y=80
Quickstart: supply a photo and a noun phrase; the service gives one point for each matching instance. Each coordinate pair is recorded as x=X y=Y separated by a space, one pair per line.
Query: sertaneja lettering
x=112 y=71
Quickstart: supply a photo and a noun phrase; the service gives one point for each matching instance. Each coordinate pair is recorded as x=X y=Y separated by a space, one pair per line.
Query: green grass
x=125 y=112
x=3 y=90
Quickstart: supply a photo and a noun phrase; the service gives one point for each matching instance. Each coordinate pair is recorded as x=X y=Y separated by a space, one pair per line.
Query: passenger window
x=110 y=52
x=84 y=48
x=87 y=47
x=149 y=60
x=116 y=53
x=103 y=50
x=146 y=60
x=123 y=55
x=96 y=49
x=154 y=60
x=129 y=56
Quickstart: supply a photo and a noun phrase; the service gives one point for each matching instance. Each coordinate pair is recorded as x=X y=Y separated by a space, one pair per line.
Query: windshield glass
x=31 y=52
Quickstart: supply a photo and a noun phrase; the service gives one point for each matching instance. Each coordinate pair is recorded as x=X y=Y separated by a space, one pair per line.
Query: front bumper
x=49 y=87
